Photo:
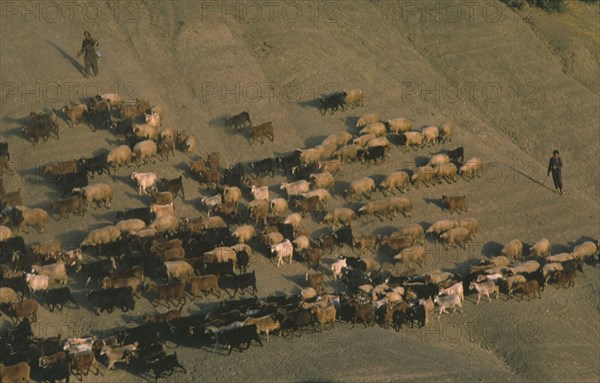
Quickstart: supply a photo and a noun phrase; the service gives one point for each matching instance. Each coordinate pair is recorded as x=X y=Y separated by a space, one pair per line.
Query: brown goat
x=529 y=287
x=315 y=281
x=75 y=114
x=455 y=204
x=398 y=243
x=82 y=362
x=172 y=254
x=214 y=161
x=313 y=257
x=10 y=199
x=227 y=209
x=259 y=209
x=4 y=168
x=174 y=186
x=173 y=290
x=48 y=360
x=162 y=317
x=134 y=283
x=25 y=309
x=15 y=373
x=565 y=278
x=211 y=177
x=69 y=205
x=206 y=284
x=366 y=242
x=60 y=169
x=160 y=244
x=198 y=166
x=35 y=132
x=162 y=198
x=261 y=131
x=364 y=313
x=164 y=148
x=309 y=204
x=326 y=242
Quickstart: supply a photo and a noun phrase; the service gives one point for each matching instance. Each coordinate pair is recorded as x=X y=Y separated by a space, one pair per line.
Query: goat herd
x=193 y=257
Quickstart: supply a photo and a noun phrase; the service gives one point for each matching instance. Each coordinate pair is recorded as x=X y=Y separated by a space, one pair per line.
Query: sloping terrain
x=478 y=65
x=572 y=37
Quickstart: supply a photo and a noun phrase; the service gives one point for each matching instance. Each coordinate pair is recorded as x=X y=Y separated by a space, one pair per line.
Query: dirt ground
x=491 y=71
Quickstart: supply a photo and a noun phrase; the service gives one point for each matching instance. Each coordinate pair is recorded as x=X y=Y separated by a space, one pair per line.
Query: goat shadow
x=142 y=198
x=385 y=252
x=67 y=237
x=377 y=178
x=355 y=205
x=44 y=205
x=339 y=187
x=149 y=166
x=350 y=122
x=220 y=123
x=313 y=141
x=316 y=216
x=16 y=120
x=410 y=170
x=325 y=230
x=385 y=231
x=127 y=318
x=126 y=177
x=462 y=268
x=94 y=226
x=299 y=280
x=102 y=151
x=68 y=57
x=394 y=138
x=424 y=224
x=184 y=169
x=421 y=161
x=121 y=172
x=435 y=201
x=114 y=142
x=194 y=202
x=16 y=132
x=559 y=248
x=34 y=176
x=202 y=300
x=312 y=103
x=284 y=154
x=22 y=121
x=99 y=215
x=582 y=239
x=441 y=151
x=104 y=215
x=491 y=249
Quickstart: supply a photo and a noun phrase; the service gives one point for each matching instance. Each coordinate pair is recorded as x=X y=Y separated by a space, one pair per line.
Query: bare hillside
x=480 y=65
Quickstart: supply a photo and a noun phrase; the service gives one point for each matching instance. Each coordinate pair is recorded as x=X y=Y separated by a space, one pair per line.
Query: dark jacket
x=89 y=46
x=555 y=164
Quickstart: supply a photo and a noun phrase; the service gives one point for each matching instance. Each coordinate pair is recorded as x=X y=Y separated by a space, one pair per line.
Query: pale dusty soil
x=515 y=103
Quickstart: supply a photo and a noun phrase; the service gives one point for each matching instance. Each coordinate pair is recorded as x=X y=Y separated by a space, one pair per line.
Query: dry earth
x=516 y=89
